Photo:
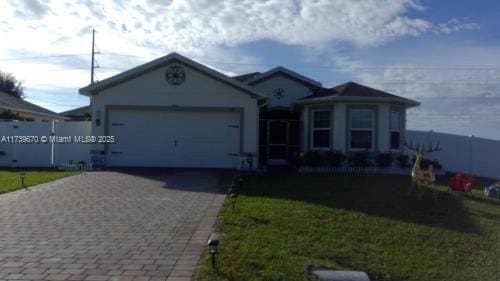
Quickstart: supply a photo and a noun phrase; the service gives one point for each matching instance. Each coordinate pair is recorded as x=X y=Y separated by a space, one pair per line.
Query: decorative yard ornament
x=22 y=176
x=422 y=177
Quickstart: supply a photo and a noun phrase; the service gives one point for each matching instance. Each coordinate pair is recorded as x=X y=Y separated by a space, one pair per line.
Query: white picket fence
x=466 y=154
x=37 y=153
x=354 y=170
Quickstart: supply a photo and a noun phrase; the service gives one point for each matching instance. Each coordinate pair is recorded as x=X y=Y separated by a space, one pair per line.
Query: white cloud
x=459 y=93
x=455 y=25
x=206 y=30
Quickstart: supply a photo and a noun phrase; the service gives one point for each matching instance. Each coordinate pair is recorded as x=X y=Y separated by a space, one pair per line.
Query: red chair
x=462 y=183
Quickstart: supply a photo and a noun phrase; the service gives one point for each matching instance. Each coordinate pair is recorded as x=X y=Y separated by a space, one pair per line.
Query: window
x=321 y=129
x=361 y=128
x=395 y=129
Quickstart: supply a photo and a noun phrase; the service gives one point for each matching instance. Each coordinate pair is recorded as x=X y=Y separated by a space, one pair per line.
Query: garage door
x=173 y=138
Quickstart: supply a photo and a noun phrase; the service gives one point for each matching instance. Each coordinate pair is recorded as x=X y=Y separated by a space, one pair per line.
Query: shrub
x=359 y=159
x=335 y=158
x=320 y=158
x=313 y=158
x=403 y=160
x=384 y=160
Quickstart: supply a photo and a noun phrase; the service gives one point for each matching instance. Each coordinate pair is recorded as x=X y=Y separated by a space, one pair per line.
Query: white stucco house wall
x=175 y=112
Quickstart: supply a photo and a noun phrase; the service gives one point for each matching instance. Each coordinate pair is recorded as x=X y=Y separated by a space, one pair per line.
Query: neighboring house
x=77 y=114
x=26 y=109
x=176 y=112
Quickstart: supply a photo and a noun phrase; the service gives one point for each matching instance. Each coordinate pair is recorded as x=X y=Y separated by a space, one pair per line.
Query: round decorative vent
x=175 y=75
x=279 y=93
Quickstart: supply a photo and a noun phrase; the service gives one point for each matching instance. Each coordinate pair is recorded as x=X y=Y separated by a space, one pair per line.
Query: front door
x=278 y=142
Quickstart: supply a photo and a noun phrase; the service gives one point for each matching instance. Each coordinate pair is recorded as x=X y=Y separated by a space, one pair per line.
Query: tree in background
x=10 y=85
x=10 y=115
x=87 y=115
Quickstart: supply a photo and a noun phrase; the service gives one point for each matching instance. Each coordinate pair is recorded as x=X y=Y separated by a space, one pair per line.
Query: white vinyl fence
x=32 y=144
x=466 y=154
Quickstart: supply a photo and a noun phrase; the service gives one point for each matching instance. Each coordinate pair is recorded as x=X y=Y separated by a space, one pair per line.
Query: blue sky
x=442 y=53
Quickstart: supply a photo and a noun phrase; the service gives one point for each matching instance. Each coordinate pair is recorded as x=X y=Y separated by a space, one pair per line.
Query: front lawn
x=283 y=224
x=10 y=179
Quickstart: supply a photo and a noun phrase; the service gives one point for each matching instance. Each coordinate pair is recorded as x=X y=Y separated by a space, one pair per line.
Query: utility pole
x=93 y=53
x=93 y=65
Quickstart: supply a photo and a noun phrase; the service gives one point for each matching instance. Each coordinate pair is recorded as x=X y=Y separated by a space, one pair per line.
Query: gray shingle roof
x=9 y=101
x=80 y=111
x=245 y=77
x=352 y=89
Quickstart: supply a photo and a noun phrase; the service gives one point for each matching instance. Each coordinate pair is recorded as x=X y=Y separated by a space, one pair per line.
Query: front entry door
x=278 y=142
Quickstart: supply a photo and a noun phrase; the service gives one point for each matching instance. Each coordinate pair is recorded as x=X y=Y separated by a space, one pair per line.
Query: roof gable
x=163 y=61
x=287 y=72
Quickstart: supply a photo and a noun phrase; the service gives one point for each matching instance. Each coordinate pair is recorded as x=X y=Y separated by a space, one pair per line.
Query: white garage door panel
x=163 y=138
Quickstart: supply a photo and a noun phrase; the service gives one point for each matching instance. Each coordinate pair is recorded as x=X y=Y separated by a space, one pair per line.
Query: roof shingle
x=352 y=89
x=9 y=101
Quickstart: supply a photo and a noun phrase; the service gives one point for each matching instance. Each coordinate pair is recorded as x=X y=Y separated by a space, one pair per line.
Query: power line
x=333 y=66
x=479 y=67
x=434 y=82
x=456 y=98
x=453 y=114
x=53 y=103
x=42 y=57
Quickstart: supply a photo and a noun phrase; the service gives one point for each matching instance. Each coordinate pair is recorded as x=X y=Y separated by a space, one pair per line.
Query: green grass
x=283 y=224
x=10 y=179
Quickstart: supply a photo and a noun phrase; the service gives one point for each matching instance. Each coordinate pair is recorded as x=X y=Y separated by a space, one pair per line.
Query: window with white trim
x=321 y=128
x=361 y=128
x=395 y=129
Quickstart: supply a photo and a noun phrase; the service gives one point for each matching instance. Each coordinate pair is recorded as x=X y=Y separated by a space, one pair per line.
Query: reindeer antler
x=432 y=149
x=422 y=150
x=412 y=147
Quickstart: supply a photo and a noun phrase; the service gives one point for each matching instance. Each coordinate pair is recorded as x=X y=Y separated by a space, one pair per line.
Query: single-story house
x=77 y=114
x=26 y=109
x=175 y=112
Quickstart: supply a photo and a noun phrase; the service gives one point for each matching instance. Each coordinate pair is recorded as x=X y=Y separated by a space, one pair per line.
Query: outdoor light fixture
x=98 y=118
x=22 y=175
x=250 y=161
x=234 y=197
x=212 y=243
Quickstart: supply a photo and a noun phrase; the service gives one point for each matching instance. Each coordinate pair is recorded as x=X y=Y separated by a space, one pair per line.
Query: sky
x=444 y=54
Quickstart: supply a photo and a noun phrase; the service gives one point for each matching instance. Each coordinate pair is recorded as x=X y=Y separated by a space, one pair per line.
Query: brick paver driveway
x=109 y=226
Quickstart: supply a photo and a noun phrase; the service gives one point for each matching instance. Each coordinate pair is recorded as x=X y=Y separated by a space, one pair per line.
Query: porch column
x=339 y=127
x=304 y=139
x=383 y=128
